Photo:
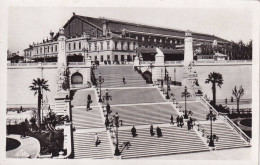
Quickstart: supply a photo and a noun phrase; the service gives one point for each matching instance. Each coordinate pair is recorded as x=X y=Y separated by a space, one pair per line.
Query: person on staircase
x=89 y=101
x=191 y=122
x=97 y=140
x=133 y=130
x=178 y=121
x=172 y=120
x=159 y=132
x=181 y=121
x=107 y=122
x=124 y=82
x=151 y=130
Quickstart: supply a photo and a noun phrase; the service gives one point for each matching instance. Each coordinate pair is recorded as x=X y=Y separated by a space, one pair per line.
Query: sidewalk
x=28 y=145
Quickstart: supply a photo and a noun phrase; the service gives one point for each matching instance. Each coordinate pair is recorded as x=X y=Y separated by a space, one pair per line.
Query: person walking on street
x=124 y=80
x=151 y=130
x=133 y=130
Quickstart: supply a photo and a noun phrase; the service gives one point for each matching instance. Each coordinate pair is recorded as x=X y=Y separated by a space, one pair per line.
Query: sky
x=33 y=24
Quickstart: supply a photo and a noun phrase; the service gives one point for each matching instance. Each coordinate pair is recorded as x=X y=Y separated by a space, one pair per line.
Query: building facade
x=112 y=41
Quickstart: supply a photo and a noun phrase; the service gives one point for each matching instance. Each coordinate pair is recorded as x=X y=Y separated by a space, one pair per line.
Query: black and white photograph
x=110 y=81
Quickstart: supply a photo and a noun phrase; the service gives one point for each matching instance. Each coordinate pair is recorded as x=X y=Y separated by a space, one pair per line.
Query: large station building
x=113 y=41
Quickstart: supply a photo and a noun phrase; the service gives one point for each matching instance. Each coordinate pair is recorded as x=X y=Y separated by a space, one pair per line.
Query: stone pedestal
x=159 y=69
x=136 y=61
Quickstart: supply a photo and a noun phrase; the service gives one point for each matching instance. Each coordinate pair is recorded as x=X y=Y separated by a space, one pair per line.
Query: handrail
x=202 y=128
x=210 y=106
x=239 y=131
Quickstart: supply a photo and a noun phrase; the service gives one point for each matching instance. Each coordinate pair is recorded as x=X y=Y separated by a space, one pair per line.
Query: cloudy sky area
x=31 y=24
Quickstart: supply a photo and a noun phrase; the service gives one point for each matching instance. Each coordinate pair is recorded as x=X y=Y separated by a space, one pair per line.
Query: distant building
x=216 y=56
x=110 y=40
x=14 y=57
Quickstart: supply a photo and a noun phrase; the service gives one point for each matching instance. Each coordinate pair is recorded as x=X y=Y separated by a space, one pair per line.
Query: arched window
x=77 y=78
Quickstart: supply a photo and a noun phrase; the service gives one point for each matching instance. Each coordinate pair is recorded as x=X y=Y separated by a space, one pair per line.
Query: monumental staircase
x=113 y=76
x=227 y=137
x=142 y=106
x=84 y=146
x=174 y=140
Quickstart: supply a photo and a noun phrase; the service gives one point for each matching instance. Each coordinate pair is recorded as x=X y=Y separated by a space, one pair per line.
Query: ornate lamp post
x=100 y=81
x=107 y=97
x=161 y=79
x=151 y=66
x=185 y=94
x=211 y=117
x=116 y=120
x=168 y=80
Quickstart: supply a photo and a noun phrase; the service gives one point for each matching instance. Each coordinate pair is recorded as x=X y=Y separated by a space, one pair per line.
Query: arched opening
x=77 y=78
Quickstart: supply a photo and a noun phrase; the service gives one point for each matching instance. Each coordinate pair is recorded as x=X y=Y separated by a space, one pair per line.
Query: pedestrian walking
x=171 y=120
x=89 y=101
x=124 y=80
x=191 y=122
x=151 y=130
x=178 y=121
x=97 y=140
x=159 y=132
x=181 y=121
x=107 y=122
x=188 y=123
x=133 y=130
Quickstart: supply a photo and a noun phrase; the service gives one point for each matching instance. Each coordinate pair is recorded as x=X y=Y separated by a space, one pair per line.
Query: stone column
x=188 y=49
x=62 y=69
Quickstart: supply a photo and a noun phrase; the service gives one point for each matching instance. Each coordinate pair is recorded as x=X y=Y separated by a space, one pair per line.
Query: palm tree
x=238 y=94
x=215 y=79
x=38 y=85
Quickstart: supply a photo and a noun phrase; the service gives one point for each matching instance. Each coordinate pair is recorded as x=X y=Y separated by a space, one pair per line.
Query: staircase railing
x=237 y=129
x=205 y=102
x=230 y=122
x=201 y=129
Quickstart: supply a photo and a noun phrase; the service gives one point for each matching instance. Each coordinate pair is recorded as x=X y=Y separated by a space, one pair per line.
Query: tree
x=38 y=85
x=215 y=79
x=238 y=94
